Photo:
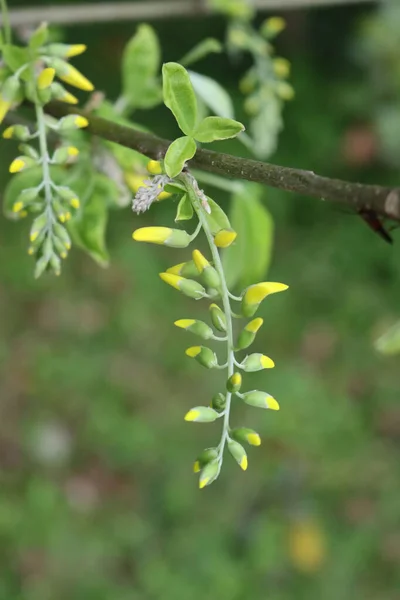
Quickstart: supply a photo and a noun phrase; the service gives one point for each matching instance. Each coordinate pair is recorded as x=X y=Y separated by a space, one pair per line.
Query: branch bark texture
x=152 y=9
x=385 y=201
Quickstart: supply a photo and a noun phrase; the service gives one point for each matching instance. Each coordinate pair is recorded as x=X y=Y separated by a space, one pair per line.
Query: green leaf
x=39 y=37
x=217 y=219
x=207 y=46
x=389 y=342
x=247 y=261
x=212 y=129
x=140 y=66
x=181 y=150
x=14 y=56
x=89 y=228
x=19 y=182
x=213 y=95
x=185 y=209
x=179 y=96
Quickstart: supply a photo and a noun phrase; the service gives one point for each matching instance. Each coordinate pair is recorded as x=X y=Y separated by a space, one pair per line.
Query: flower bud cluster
x=203 y=278
x=32 y=74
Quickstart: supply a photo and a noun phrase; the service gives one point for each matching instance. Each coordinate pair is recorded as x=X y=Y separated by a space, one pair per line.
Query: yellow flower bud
x=281 y=67
x=201 y=414
x=190 y=288
x=175 y=238
x=257 y=362
x=260 y=400
x=70 y=75
x=256 y=293
x=238 y=453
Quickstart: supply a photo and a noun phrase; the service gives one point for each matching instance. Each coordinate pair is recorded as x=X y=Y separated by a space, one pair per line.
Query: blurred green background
x=97 y=499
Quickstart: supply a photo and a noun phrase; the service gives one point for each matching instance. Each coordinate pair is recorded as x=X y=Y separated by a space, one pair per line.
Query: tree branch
x=384 y=201
x=136 y=11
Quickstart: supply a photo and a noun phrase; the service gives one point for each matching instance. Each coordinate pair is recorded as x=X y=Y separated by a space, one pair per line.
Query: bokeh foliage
x=97 y=497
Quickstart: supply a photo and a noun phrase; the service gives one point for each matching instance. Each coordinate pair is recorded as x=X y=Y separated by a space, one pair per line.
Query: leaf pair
x=180 y=98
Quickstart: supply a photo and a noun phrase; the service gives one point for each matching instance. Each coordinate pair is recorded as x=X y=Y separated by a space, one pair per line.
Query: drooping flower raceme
x=203 y=278
x=31 y=73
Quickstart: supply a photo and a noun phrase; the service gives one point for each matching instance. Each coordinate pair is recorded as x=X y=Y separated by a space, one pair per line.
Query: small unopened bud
x=205 y=356
x=257 y=362
x=209 y=473
x=248 y=334
x=72 y=122
x=260 y=400
x=208 y=273
x=18 y=132
x=234 y=383
x=197 y=327
x=218 y=317
x=243 y=434
x=238 y=453
x=218 y=402
x=202 y=414
x=204 y=458
x=21 y=163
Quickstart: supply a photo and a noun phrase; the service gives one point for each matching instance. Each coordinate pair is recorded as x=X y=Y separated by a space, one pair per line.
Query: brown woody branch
x=385 y=201
x=147 y=9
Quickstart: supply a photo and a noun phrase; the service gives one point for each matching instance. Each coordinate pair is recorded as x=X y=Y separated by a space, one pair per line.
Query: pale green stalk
x=200 y=211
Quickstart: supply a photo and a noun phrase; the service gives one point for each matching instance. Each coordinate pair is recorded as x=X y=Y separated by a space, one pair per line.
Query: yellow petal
x=272 y=403
x=236 y=379
x=172 y=280
x=8 y=133
x=81 y=121
x=75 y=50
x=75 y=78
x=154 y=167
x=193 y=351
x=18 y=206
x=68 y=98
x=17 y=165
x=243 y=463
x=196 y=467
x=254 y=439
x=254 y=325
x=72 y=151
x=224 y=238
x=200 y=261
x=267 y=362
x=176 y=269
x=154 y=235
x=184 y=323
x=46 y=78
x=134 y=181
x=75 y=203
x=203 y=482
x=192 y=415
x=256 y=293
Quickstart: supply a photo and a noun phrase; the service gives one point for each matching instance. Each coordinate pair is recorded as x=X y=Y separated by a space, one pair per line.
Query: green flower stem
x=45 y=162
x=6 y=21
x=200 y=211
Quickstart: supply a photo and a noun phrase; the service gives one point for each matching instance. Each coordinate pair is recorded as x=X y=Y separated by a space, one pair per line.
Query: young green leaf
x=181 y=150
x=140 y=66
x=212 y=94
x=185 y=209
x=179 y=96
x=217 y=218
x=207 y=46
x=212 y=129
x=247 y=261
